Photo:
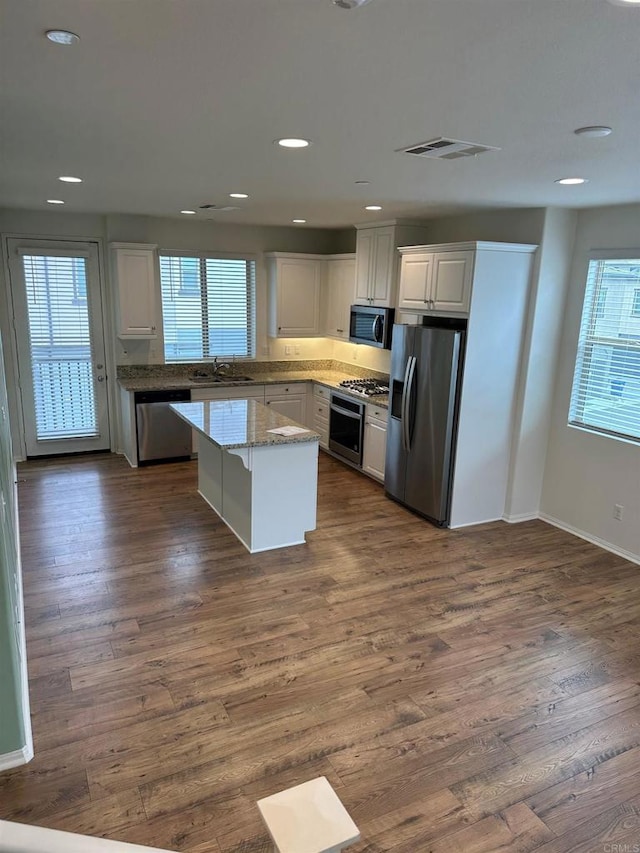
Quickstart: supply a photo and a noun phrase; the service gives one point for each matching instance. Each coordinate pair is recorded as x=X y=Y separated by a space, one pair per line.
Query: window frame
x=582 y=357
x=203 y=256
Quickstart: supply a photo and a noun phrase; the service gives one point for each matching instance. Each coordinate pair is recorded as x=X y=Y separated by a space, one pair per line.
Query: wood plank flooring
x=474 y=690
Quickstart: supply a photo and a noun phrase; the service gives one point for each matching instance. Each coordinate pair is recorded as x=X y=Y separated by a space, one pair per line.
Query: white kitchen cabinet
x=237 y=392
x=338 y=295
x=134 y=268
x=432 y=280
x=294 y=294
x=377 y=260
x=321 y=401
x=288 y=400
x=375 y=442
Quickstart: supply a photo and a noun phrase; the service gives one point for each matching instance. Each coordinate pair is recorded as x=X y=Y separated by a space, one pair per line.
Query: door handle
x=374 y=329
x=408 y=388
x=403 y=404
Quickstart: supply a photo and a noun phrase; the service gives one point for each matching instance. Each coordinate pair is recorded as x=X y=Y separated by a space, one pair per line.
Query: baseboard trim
x=523 y=516
x=595 y=540
x=16 y=758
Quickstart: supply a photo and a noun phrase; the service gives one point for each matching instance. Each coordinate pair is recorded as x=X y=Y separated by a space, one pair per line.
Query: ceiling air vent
x=218 y=208
x=447 y=149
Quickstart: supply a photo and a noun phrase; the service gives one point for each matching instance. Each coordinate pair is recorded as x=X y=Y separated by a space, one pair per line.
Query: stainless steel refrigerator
x=424 y=389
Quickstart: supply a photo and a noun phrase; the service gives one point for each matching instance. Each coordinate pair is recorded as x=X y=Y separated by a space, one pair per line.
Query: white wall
x=538 y=364
x=585 y=473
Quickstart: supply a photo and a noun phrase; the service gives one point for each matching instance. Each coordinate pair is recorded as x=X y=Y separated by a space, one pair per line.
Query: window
x=606 y=383
x=208 y=307
x=60 y=346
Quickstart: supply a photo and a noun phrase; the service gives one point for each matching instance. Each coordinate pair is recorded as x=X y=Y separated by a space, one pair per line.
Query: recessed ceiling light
x=593 y=131
x=62 y=37
x=571 y=181
x=293 y=142
x=625 y=2
x=54 y=201
x=68 y=179
x=238 y=195
x=188 y=212
x=299 y=221
x=373 y=207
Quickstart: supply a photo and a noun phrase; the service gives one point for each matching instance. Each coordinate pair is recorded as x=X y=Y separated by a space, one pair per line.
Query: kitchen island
x=262 y=484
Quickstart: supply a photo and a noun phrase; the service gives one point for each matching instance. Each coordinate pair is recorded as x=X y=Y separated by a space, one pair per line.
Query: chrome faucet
x=218 y=366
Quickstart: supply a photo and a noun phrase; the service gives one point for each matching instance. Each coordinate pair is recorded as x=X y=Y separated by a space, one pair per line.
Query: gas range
x=366 y=387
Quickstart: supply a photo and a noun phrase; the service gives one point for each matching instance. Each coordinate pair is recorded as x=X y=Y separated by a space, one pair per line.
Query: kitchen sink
x=210 y=379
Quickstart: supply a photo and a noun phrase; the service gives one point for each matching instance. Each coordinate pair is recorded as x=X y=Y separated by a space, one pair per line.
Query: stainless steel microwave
x=372 y=326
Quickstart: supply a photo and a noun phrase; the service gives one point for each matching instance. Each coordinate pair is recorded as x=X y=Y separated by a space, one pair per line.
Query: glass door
x=55 y=289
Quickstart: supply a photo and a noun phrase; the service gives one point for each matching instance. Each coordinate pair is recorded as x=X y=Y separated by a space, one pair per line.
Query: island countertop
x=240 y=423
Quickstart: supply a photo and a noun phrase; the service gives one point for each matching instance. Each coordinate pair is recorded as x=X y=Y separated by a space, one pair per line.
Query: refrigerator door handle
x=408 y=388
x=412 y=379
x=403 y=404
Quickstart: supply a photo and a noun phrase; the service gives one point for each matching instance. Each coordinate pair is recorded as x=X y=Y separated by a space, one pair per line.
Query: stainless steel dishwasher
x=162 y=435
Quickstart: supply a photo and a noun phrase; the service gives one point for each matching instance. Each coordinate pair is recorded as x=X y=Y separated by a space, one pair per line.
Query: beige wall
x=586 y=473
x=503 y=226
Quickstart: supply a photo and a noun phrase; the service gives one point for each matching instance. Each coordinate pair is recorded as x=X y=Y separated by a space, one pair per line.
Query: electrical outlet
x=618 y=512
x=297 y=349
x=287 y=349
x=265 y=350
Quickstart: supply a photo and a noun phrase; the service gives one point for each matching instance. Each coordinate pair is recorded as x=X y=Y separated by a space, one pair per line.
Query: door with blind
x=55 y=290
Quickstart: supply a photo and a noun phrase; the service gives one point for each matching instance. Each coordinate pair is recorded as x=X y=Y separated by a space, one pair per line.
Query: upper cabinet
x=435 y=280
x=338 y=294
x=377 y=260
x=294 y=294
x=134 y=270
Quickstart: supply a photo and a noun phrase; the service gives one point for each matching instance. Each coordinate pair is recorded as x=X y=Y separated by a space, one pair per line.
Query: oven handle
x=357 y=416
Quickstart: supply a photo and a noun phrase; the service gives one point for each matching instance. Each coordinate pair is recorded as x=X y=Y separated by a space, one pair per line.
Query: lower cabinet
x=320 y=413
x=375 y=442
x=288 y=400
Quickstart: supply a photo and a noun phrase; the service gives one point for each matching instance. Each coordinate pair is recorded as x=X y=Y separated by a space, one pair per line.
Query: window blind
x=208 y=307
x=60 y=346
x=606 y=383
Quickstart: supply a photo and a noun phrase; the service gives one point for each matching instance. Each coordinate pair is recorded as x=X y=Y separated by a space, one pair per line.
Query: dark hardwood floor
x=473 y=690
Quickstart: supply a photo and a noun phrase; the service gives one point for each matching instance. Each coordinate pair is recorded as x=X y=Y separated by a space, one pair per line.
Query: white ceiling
x=169 y=104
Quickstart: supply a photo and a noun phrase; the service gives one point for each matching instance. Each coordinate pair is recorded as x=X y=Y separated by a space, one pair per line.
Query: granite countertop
x=330 y=378
x=240 y=423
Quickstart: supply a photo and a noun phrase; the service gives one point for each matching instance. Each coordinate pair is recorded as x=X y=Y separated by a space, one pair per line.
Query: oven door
x=346 y=422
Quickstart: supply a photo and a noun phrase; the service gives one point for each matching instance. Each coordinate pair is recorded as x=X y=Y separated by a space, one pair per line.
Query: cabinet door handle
x=339 y=330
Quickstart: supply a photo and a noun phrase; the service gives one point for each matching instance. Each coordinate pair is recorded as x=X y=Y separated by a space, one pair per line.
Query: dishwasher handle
x=178 y=395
